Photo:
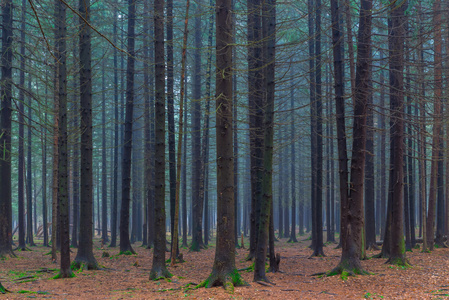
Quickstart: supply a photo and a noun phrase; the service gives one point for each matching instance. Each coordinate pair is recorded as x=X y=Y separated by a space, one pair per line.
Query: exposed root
x=3 y=290
x=346 y=269
x=399 y=261
x=265 y=283
x=227 y=280
x=159 y=273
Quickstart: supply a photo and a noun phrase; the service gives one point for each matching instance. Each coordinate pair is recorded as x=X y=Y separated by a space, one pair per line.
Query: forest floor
x=30 y=274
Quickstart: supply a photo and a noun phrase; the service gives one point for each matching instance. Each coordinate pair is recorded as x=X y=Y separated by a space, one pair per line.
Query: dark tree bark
x=171 y=121
x=197 y=213
x=224 y=271
x=29 y=185
x=255 y=110
x=114 y=205
x=370 y=224
x=292 y=162
x=269 y=34
x=21 y=112
x=205 y=142
x=147 y=134
x=351 y=196
x=44 y=172
x=5 y=127
x=396 y=54
x=318 y=135
x=433 y=188
x=104 y=171
x=85 y=257
x=184 y=183
x=63 y=191
x=159 y=270
x=75 y=161
x=125 y=244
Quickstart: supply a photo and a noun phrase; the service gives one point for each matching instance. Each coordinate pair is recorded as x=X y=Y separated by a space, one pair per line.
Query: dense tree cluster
x=328 y=119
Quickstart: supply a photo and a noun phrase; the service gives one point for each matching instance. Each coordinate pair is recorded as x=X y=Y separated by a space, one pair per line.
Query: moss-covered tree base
x=159 y=272
x=372 y=247
x=348 y=268
x=228 y=280
x=84 y=264
x=3 y=290
x=399 y=261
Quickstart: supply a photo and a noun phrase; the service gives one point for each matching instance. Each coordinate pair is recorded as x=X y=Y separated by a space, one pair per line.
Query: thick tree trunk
x=224 y=271
x=85 y=257
x=125 y=244
x=63 y=191
x=396 y=56
x=5 y=127
x=352 y=220
x=255 y=110
x=159 y=270
x=269 y=34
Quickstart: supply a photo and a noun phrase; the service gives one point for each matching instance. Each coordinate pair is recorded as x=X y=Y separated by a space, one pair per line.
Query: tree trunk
x=85 y=257
x=269 y=34
x=352 y=222
x=197 y=234
x=125 y=245
x=224 y=271
x=159 y=270
x=21 y=112
x=436 y=126
x=63 y=191
x=116 y=139
x=5 y=127
x=396 y=56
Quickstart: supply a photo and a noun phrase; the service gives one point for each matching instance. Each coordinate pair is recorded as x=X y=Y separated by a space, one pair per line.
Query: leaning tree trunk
x=85 y=257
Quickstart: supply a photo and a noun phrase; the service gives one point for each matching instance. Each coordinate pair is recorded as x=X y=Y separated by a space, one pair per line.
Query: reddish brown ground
x=122 y=279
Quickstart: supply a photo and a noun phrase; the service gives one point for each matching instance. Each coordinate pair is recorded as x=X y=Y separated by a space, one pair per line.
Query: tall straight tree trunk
x=171 y=122
x=174 y=249
x=63 y=191
x=75 y=161
x=159 y=269
x=370 y=224
x=147 y=134
x=396 y=57
x=318 y=109
x=352 y=222
x=44 y=172
x=21 y=112
x=29 y=184
x=255 y=110
x=125 y=244
x=197 y=234
x=205 y=143
x=85 y=257
x=114 y=205
x=5 y=127
x=104 y=171
x=269 y=34
x=293 y=160
x=436 y=125
x=224 y=272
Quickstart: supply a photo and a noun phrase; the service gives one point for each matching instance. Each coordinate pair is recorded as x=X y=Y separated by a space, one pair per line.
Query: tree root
x=347 y=269
x=159 y=273
x=3 y=290
x=227 y=280
x=399 y=261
